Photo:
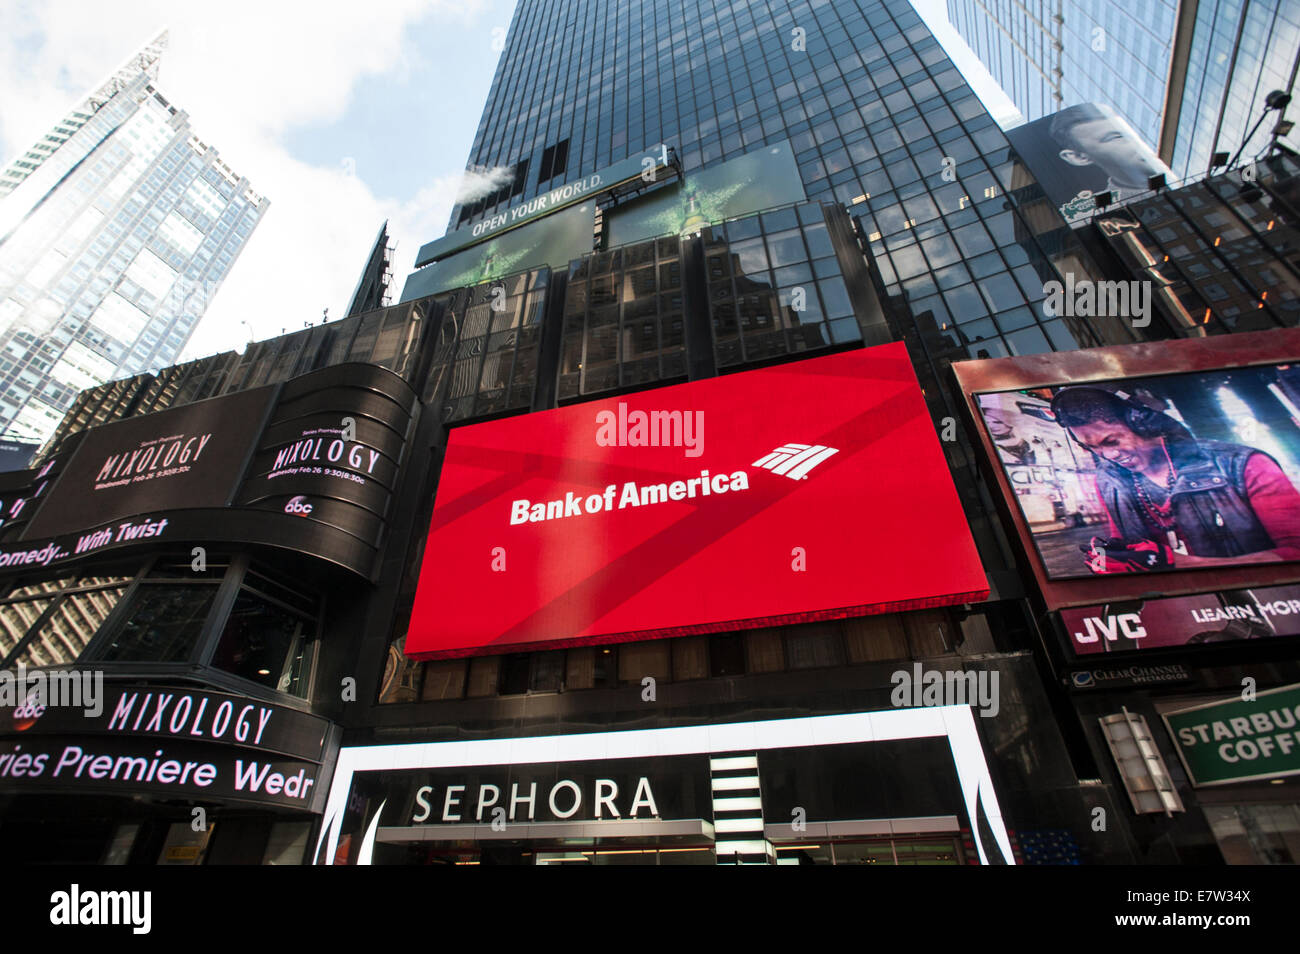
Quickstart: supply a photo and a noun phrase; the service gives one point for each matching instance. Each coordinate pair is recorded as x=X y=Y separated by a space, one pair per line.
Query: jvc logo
x=1128 y=625
x=299 y=506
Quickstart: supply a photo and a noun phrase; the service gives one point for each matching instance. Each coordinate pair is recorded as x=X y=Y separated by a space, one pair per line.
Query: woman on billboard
x=1173 y=500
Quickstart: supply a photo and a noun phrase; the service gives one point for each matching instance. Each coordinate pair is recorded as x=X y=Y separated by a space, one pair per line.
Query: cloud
x=479 y=181
x=244 y=69
x=247 y=73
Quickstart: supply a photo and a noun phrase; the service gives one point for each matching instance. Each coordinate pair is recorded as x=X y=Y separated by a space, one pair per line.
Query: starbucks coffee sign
x=1239 y=740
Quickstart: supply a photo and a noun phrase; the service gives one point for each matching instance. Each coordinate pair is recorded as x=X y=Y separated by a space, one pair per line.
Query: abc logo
x=299 y=506
x=25 y=715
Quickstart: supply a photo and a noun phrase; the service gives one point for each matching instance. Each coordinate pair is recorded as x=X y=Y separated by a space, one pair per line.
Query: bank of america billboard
x=810 y=490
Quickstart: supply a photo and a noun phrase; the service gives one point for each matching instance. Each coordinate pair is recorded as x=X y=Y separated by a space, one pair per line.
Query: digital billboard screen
x=554 y=240
x=308 y=465
x=186 y=457
x=1081 y=151
x=1195 y=470
x=16 y=455
x=1226 y=616
x=810 y=490
x=762 y=179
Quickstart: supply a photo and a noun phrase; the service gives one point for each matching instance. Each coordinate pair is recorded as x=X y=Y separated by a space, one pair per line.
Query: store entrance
x=941 y=850
x=76 y=829
x=937 y=849
x=543 y=851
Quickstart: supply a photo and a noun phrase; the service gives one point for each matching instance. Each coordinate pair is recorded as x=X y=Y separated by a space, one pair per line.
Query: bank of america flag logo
x=795 y=460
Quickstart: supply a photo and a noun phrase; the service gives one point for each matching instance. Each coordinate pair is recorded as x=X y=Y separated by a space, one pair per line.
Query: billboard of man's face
x=1107 y=143
x=1081 y=151
x=1178 y=472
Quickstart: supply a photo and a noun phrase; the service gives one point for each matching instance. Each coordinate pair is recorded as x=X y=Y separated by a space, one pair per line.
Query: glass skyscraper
x=960 y=236
x=115 y=231
x=1189 y=78
x=887 y=202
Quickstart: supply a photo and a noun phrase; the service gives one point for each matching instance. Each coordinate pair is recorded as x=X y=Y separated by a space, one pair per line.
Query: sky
x=343 y=115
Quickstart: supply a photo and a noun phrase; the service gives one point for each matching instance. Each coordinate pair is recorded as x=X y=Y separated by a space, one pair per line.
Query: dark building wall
x=1220 y=254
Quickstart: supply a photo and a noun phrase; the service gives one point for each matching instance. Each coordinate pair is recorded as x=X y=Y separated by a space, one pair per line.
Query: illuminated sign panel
x=169 y=741
x=647 y=167
x=1219 y=617
x=1141 y=475
x=1178 y=458
x=762 y=179
x=550 y=779
x=188 y=456
x=1083 y=151
x=308 y=465
x=554 y=241
x=810 y=490
x=1239 y=740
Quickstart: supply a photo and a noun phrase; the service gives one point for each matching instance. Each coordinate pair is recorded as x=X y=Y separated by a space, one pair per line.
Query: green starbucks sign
x=1239 y=741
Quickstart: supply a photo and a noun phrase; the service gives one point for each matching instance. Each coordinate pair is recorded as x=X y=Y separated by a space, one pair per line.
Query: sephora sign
x=810 y=490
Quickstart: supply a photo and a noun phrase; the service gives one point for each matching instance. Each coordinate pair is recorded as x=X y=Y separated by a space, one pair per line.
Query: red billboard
x=810 y=490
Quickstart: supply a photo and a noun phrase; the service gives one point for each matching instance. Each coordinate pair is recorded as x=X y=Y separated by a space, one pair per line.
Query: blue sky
x=400 y=128
x=342 y=114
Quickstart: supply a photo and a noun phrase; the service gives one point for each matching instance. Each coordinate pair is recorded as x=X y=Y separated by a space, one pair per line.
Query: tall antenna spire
x=145 y=60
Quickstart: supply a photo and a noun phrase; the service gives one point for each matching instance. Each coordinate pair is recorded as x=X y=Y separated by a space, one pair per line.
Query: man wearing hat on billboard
x=1173 y=500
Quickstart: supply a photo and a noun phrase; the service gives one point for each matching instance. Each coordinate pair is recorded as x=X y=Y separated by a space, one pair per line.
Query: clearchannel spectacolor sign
x=810 y=490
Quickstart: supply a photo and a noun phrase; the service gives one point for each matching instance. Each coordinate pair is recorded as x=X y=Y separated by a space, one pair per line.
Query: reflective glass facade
x=957 y=230
x=1216 y=257
x=1226 y=55
x=1240 y=52
x=113 y=248
x=1050 y=54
